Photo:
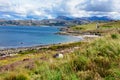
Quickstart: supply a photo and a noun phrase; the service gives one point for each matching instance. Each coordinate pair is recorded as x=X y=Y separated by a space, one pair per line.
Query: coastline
x=8 y=52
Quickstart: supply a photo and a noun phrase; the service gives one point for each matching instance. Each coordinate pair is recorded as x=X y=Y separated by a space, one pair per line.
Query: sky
x=48 y=9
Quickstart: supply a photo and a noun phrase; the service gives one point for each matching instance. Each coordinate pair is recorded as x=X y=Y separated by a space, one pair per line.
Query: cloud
x=97 y=5
x=42 y=9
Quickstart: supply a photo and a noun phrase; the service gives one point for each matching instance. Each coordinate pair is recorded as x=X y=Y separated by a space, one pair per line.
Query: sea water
x=28 y=36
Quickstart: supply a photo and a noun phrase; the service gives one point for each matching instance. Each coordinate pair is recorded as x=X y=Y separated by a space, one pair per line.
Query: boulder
x=58 y=55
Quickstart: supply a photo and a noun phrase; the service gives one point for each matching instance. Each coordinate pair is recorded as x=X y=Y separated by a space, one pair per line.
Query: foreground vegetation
x=98 y=59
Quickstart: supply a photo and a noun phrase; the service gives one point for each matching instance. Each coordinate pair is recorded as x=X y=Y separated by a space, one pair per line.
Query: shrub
x=80 y=63
x=114 y=36
x=85 y=75
x=28 y=51
x=109 y=78
x=103 y=62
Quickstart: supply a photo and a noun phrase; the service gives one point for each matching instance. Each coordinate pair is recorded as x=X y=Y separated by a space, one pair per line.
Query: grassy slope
x=104 y=28
x=98 y=59
x=84 y=27
x=92 y=26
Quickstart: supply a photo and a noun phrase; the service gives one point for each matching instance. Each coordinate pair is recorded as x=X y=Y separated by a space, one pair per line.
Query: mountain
x=92 y=18
x=64 y=18
x=95 y=18
x=59 y=21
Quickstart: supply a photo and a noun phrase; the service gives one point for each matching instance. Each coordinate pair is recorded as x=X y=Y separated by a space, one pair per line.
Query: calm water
x=13 y=37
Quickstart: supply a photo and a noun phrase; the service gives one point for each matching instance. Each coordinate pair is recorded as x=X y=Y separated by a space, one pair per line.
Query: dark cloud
x=97 y=5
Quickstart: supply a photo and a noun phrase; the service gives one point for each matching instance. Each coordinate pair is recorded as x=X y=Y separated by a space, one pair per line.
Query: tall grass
x=16 y=77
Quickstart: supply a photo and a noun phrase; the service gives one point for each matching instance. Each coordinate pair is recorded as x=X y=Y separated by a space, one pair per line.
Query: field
x=97 y=59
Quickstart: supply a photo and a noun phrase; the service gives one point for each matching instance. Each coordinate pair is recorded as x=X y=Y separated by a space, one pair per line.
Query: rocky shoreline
x=68 y=31
x=7 y=52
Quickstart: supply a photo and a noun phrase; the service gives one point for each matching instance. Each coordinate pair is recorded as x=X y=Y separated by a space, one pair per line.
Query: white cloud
x=41 y=9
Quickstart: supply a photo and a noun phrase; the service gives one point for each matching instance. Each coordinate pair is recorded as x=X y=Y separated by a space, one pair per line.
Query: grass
x=114 y=24
x=104 y=28
x=64 y=46
x=92 y=26
x=84 y=27
x=98 y=59
x=17 y=77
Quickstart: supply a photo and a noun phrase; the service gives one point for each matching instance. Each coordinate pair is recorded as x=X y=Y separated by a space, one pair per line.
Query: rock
x=26 y=59
x=21 y=43
x=30 y=66
x=2 y=54
x=58 y=55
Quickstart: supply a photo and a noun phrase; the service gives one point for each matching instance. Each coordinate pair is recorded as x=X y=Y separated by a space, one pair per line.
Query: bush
x=114 y=36
x=85 y=75
x=80 y=63
x=103 y=62
x=109 y=78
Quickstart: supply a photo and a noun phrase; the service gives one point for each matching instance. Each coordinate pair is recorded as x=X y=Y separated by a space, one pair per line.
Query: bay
x=28 y=36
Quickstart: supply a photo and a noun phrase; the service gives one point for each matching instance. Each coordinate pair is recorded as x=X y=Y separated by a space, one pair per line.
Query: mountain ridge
x=58 y=21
